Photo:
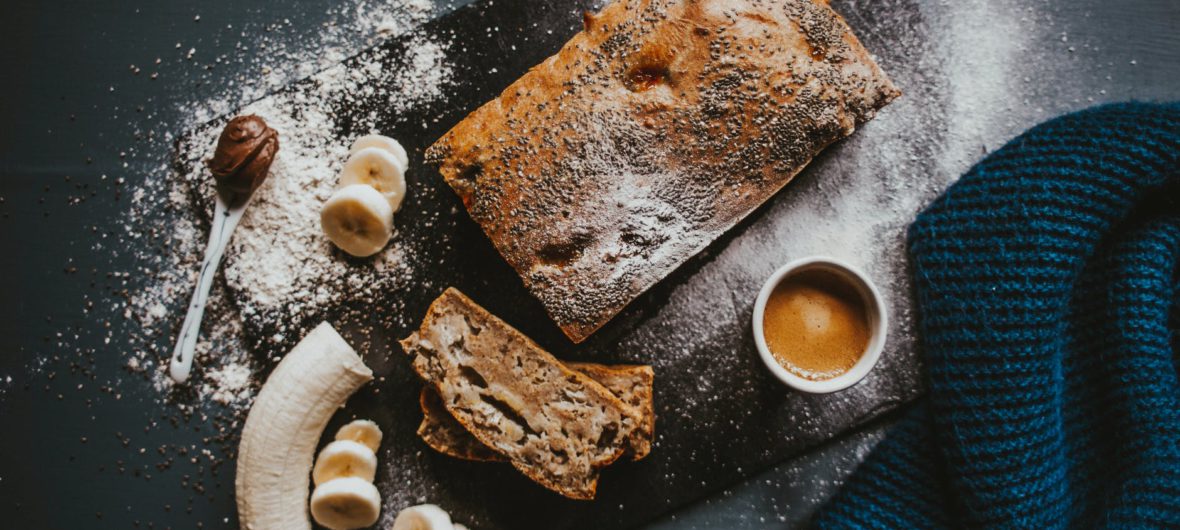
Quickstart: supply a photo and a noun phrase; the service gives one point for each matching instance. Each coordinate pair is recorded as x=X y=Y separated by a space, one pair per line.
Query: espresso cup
x=875 y=312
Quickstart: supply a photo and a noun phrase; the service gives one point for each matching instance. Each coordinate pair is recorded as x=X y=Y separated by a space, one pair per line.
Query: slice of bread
x=630 y=383
x=443 y=433
x=555 y=425
x=633 y=384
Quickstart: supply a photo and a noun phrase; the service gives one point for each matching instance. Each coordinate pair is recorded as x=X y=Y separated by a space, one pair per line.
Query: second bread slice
x=555 y=425
x=630 y=383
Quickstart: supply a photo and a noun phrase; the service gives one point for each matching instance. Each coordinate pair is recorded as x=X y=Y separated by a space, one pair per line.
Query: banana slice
x=346 y=504
x=344 y=458
x=363 y=431
x=422 y=517
x=357 y=219
x=378 y=168
x=383 y=142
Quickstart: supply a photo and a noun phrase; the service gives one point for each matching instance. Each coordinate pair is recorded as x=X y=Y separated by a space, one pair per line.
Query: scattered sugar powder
x=229 y=384
x=280 y=275
x=283 y=271
x=427 y=71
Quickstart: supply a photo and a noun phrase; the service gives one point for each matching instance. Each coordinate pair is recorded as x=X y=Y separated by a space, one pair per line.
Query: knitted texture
x=1046 y=284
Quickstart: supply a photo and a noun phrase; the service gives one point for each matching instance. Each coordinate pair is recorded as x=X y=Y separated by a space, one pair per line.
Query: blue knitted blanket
x=1046 y=284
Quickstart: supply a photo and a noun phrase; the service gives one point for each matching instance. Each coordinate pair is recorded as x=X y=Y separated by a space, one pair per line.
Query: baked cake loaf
x=555 y=425
x=630 y=383
x=650 y=133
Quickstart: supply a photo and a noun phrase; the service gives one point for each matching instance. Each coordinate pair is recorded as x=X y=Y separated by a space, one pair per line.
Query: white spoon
x=225 y=220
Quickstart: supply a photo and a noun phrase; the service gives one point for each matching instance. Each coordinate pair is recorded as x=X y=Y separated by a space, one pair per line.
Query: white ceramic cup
x=874 y=309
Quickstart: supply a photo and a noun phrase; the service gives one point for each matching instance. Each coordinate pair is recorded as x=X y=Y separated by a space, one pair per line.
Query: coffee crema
x=816 y=325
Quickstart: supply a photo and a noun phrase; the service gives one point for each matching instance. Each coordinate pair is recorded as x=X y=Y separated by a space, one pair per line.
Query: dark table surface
x=81 y=437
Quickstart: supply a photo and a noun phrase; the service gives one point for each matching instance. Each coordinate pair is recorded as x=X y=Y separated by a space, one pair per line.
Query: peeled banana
x=346 y=504
x=285 y=424
x=363 y=431
x=423 y=517
x=357 y=219
x=378 y=168
x=386 y=143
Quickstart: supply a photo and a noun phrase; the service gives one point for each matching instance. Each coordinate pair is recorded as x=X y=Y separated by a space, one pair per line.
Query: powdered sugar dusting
x=283 y=273
x=230 y=383
x=428 y=70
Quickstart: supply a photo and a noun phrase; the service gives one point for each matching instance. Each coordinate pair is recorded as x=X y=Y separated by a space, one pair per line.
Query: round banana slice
x=363 y=431
x=346 y=504
x=375 y=167
x=357 y=219
x=344 y=458
x=383 y=142
x=422 y=517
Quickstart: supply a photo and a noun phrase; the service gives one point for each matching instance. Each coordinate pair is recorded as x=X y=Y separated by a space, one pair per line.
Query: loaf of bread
x=649 y=134
x=630 y=383
x=555 y=425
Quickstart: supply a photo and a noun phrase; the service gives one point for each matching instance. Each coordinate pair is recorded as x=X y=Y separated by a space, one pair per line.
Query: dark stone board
x=720 y=415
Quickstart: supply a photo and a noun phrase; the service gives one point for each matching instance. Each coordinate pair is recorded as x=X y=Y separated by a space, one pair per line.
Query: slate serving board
x=720 y=415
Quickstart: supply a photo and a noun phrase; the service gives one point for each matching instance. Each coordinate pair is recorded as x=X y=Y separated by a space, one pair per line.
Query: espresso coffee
x=816 y=324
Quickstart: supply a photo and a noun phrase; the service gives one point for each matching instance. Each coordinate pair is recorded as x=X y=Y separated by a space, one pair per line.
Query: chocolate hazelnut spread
x=244 y=152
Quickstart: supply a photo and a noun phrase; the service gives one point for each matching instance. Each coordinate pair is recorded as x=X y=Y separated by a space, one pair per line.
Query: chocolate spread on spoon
x=244 y=152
